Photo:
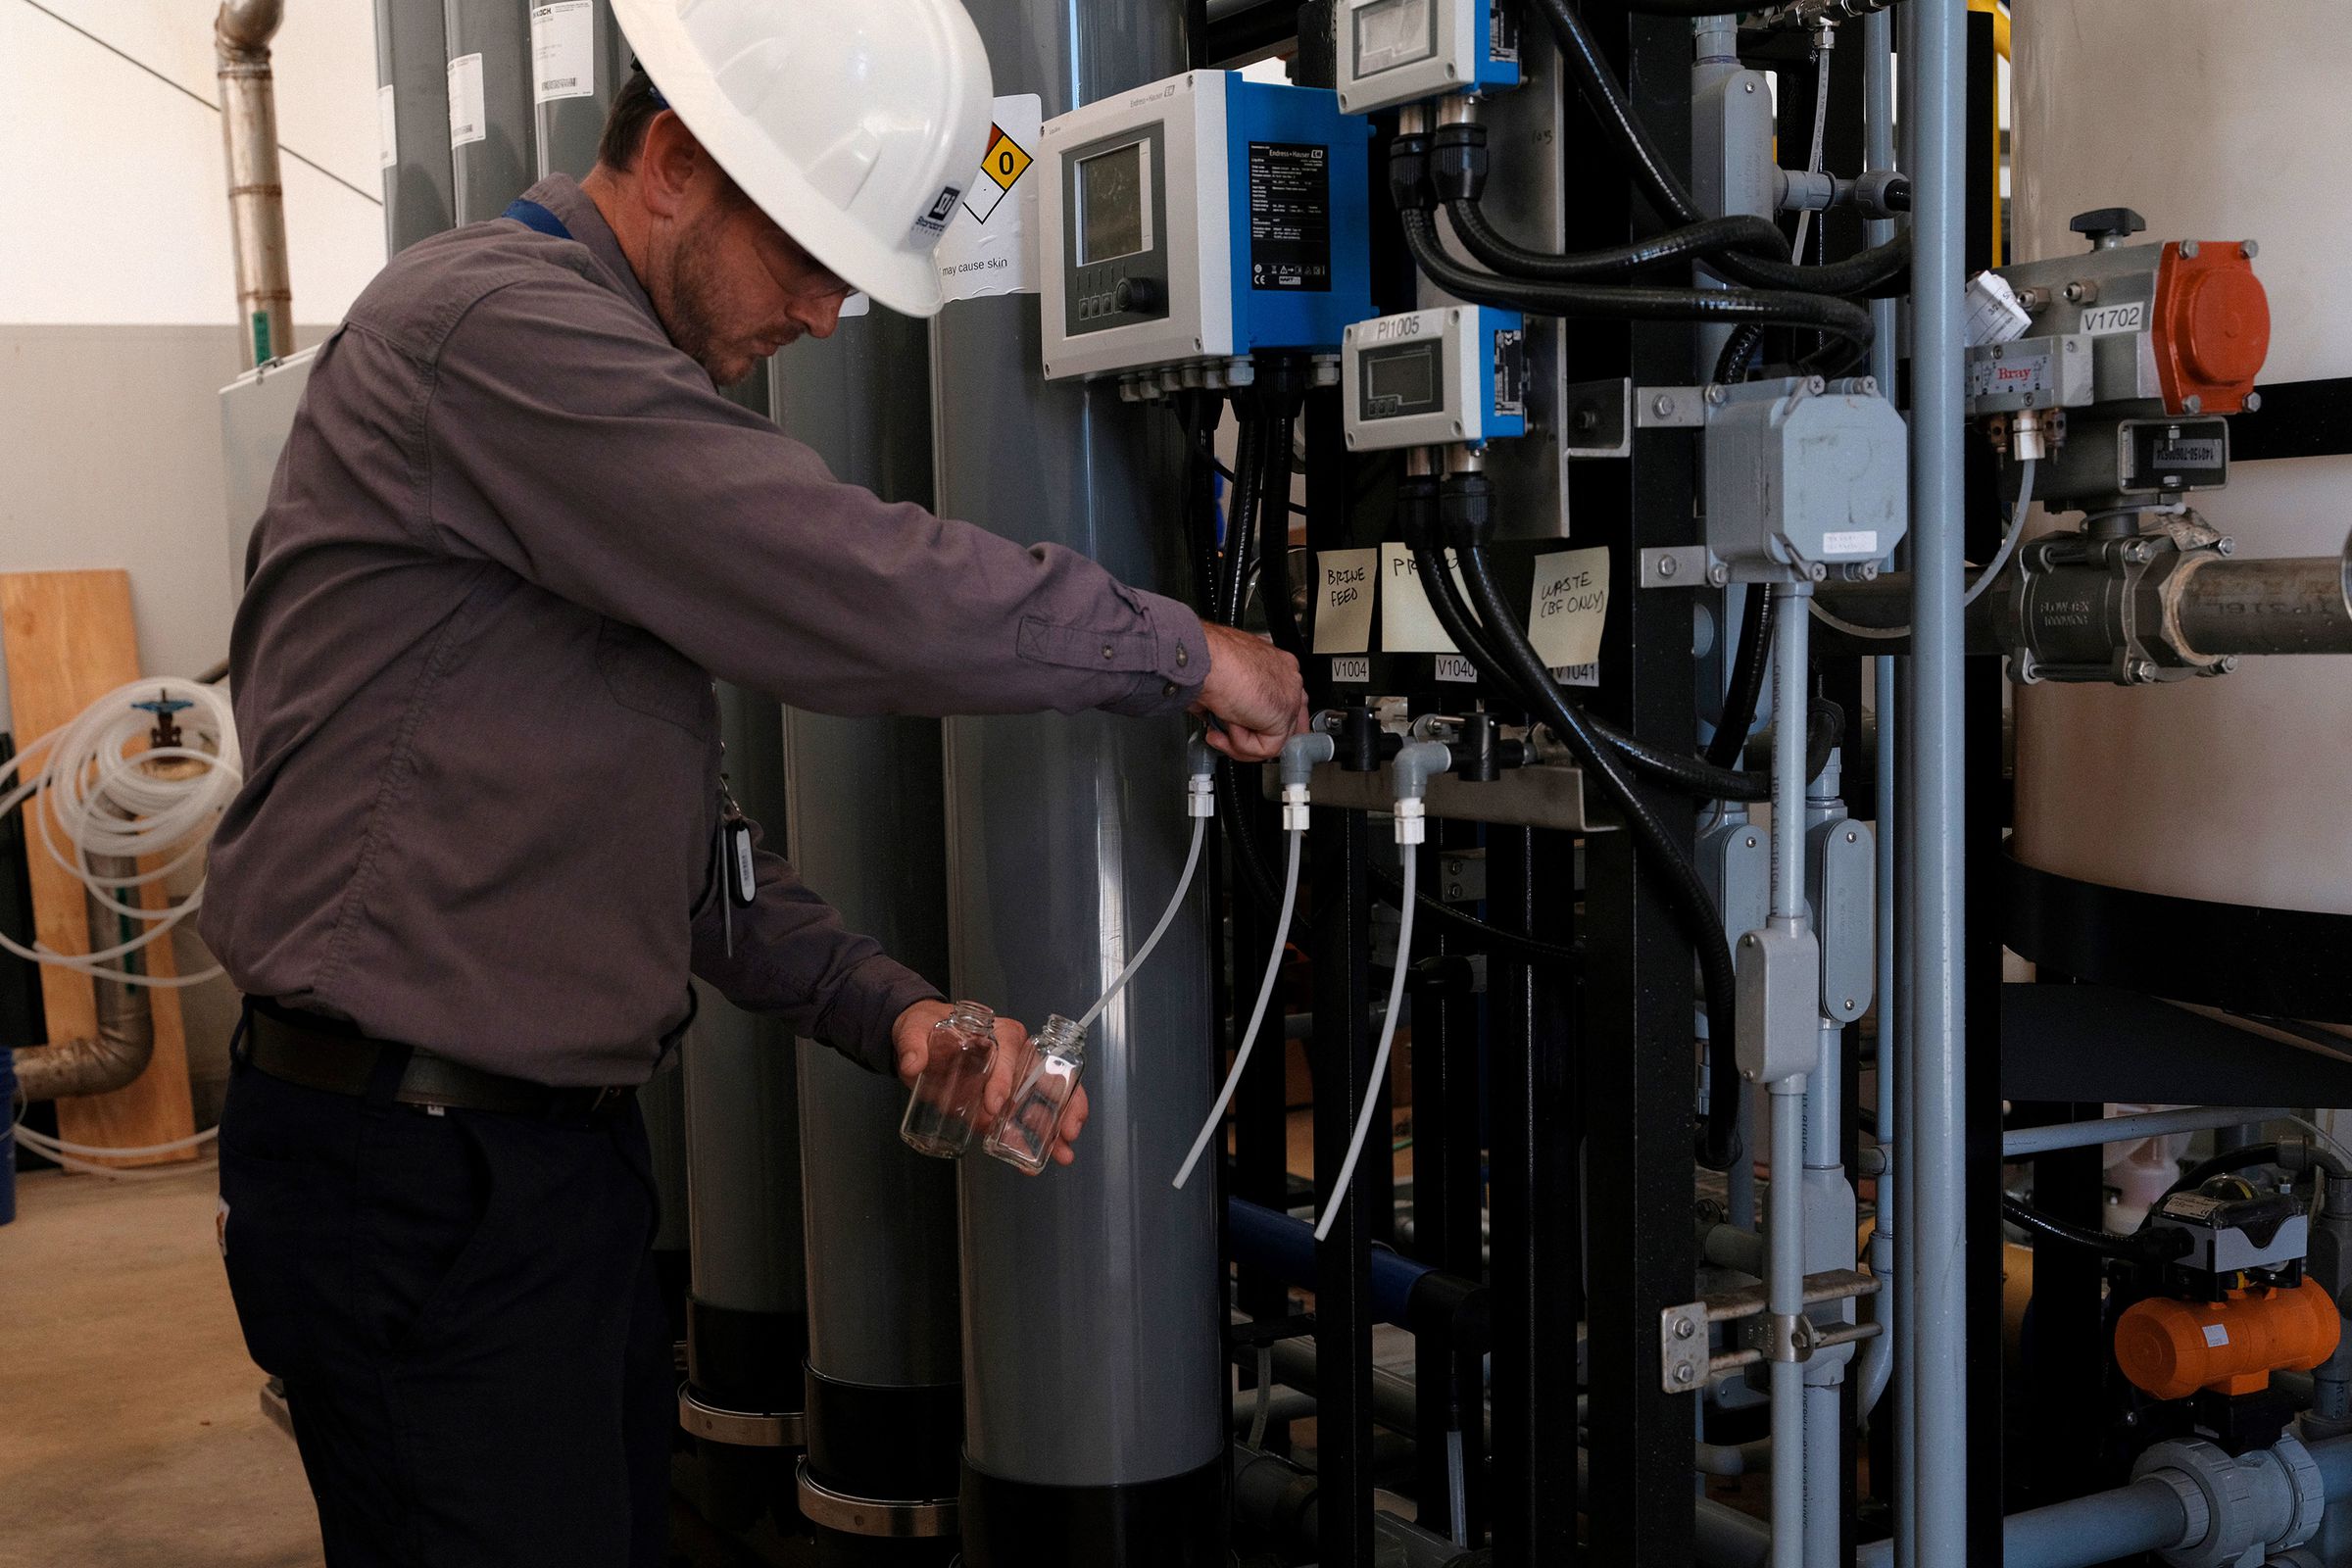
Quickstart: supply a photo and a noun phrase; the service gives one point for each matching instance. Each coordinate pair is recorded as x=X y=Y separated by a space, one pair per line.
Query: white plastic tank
x=2213 y=122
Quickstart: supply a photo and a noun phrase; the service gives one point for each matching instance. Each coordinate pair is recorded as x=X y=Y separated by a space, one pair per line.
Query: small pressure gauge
x=1434 y=377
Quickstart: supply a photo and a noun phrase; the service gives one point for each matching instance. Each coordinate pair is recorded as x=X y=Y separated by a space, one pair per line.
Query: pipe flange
x=883 y=1517
x=2302 y=1474
x=742 y=1428
x=2228 y=1492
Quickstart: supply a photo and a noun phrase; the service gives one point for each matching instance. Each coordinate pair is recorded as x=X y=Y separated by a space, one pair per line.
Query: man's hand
x=914 y=1041
x=1255 y=692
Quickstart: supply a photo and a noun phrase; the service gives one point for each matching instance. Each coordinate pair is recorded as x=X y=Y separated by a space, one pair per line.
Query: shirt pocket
x=646 y=675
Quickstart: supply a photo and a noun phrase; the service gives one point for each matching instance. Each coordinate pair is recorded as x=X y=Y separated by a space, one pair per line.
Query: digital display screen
x=1401 y=380
x=1114 y=205
x=1394 y=32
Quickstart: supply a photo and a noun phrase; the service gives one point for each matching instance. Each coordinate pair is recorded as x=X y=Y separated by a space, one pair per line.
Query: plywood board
x=69 y=640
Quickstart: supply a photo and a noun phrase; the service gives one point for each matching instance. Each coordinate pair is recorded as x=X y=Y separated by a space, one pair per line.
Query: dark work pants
x=463 y=1308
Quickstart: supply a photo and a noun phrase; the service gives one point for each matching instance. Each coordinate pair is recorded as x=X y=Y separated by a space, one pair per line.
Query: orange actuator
x=2172 y=1349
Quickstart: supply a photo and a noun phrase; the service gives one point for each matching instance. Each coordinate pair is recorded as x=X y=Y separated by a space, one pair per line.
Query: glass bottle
x=1023 y=1136
x=945 y=1106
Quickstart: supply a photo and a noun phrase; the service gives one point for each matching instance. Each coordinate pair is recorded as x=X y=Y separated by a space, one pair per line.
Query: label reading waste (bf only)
x=1290 y=215
x=562 y=51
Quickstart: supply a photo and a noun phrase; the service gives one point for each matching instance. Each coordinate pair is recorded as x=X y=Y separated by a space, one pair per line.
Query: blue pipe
x=1285 y=1247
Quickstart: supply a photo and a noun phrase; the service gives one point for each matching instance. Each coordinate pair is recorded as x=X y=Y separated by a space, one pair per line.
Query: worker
x=484 y=837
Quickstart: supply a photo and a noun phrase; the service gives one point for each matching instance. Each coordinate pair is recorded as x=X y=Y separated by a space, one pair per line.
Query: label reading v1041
x=1576 y=674
x=1356 y=672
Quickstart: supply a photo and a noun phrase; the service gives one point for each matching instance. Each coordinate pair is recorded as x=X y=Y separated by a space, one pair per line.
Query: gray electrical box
x=257 y=412
x=1803 y=476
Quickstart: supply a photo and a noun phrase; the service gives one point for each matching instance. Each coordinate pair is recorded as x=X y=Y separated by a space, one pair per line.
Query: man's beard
x=692 y=310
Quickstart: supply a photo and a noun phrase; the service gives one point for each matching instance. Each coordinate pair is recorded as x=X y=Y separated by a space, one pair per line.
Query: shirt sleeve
x=568 y=442
x=792 y=956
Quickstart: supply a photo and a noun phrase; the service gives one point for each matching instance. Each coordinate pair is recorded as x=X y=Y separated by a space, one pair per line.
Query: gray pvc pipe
x=1784 y=1286
x=1937 y=1242
x=412 y=60
x=2025 y=1140
x=2144 y=1516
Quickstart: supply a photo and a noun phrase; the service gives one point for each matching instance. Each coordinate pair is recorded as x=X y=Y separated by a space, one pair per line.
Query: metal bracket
x=1670 y=407
x=1596 y=419
x=1684 y=1346
x=1793 y=1336
x=742 y=1428
x=1687 y=1360
x=1683 y=566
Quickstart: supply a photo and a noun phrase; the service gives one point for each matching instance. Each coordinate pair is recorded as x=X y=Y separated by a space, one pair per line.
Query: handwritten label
x=1454 y=667
x=1349 y=581
x=1355 y=671
x=1570 y=606
x=1407 y=625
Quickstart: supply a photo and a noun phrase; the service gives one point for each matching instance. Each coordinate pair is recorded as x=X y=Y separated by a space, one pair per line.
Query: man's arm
x=567 y=445
x=791 y=956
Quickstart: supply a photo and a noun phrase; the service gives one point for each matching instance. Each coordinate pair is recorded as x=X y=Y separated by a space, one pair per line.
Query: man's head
x=730 y=285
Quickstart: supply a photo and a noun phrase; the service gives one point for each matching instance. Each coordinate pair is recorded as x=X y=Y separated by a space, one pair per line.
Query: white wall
x=114 y=183
x=118 y=305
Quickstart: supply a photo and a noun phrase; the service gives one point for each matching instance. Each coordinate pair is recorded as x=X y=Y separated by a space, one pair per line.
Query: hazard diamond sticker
x=1001 y=168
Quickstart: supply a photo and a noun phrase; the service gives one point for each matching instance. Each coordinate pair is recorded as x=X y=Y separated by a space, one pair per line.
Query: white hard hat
x=857 y=127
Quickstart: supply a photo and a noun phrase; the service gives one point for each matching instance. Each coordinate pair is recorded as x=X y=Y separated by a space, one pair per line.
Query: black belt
x=342 y=1063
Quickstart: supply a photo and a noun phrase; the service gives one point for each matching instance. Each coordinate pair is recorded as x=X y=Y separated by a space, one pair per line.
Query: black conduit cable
x=1645 y=302
x=1467 y=508
x=1730 y=365
x=1241 y=525
x=2150 y=1247
x=1665 y=189
x=1749 y=668
x=2222 y=1164
x=1681 y=246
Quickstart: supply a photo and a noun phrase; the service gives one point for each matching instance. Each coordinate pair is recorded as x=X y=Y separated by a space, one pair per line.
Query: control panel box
x=1438 y=378
x=1403 y=51
x=1204 y=217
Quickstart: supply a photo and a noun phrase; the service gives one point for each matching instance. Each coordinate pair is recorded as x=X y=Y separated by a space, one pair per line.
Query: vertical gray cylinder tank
x=1092 y=1349
x=578 y=61
x=489 y=96
x=885 y=1396
x=412 y=97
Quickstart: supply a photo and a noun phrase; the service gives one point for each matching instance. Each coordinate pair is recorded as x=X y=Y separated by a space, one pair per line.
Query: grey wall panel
x=500 y=166
x=569 y=127
x=1093 y=1352
x=412 y=58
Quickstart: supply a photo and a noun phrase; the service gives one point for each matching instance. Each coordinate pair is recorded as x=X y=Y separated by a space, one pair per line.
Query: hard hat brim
x=905 y=282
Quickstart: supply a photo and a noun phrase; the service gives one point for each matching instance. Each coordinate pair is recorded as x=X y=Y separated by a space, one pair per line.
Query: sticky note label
x=1570 y=606
x=1347 y=582
x=1407 y=625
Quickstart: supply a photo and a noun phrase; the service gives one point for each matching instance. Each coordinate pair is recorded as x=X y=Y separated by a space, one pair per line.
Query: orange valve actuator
x=2172 y=1349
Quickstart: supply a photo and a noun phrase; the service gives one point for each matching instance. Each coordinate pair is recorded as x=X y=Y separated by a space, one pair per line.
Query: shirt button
x=1169 y=690
x=1182 y=658
x=1106 y=650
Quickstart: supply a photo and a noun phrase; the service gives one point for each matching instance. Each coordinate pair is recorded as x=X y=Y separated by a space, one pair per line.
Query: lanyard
x=530 y=215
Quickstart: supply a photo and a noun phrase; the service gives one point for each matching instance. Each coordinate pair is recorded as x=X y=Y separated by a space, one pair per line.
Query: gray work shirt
x=513 y=534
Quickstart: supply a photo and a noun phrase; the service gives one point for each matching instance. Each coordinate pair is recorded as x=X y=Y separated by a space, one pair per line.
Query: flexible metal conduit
x=126 y=1038
x=257 y=197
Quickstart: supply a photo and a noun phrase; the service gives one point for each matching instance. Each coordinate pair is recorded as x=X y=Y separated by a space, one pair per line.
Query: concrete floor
x=132 y=1435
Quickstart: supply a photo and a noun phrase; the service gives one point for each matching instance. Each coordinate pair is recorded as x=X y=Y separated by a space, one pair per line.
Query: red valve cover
x=2212 y=330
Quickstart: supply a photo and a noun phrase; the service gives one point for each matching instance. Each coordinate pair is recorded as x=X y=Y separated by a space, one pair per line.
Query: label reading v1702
x=2107 y=319
x=1290 y=215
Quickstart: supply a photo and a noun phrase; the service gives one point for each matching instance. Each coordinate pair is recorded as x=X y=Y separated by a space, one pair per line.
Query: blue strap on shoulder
x=530 y=215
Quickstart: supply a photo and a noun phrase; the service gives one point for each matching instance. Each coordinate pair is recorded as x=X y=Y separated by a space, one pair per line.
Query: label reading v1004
x=1353 y=670
x=1290 y=215
x=1349 y=580
x=562 y=51
x=467 y=121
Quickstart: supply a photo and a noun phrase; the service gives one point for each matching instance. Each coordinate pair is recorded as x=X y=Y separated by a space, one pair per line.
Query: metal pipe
x=2293 y=605
x=2023 y=1143
x=257 y=196
x=124 y=1040
x=2144 y=1516
x=1784 y=1268
x=1936 y=1241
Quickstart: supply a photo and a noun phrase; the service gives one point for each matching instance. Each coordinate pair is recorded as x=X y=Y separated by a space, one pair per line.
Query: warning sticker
x=562 y=51
x=1290 y=215
x=986 y=249
x=466 y=122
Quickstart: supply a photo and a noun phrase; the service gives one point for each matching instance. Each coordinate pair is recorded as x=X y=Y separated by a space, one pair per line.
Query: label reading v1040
x=1454 y=667
x=562 y=51
x=1290 y=215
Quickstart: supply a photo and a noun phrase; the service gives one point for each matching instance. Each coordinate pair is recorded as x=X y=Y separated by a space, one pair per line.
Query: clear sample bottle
x=1023 y=1134
x=946 y=1105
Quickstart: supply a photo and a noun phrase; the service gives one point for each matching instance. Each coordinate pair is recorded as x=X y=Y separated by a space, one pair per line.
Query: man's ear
x=668 y=166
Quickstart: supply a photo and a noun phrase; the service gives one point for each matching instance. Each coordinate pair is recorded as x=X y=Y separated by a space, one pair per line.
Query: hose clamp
x=741 y=1429
x=883 y=1517
x=1792 y=1337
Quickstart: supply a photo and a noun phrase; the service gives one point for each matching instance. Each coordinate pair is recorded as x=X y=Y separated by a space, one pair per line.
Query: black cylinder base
x=891 y=1443
x=1176 y=1522
x=742 y=1360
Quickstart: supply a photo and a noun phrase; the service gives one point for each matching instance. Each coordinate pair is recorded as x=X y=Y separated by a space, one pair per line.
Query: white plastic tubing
x=97 y=795
x=1257 y=1015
